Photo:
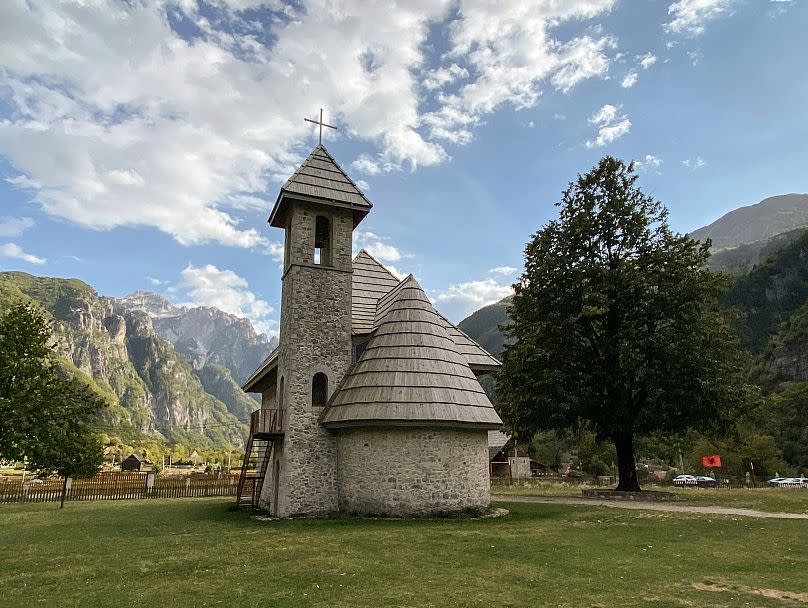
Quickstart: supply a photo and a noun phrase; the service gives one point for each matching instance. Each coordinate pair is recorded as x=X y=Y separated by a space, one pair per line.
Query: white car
x=685 y=480
x=793 y=482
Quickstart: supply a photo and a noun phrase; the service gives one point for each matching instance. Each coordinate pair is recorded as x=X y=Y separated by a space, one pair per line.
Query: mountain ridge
x=759 y=221
x=155 y=389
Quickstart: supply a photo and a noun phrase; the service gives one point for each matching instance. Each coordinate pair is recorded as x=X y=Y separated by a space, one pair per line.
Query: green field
x=194 y=552
x=784 y=500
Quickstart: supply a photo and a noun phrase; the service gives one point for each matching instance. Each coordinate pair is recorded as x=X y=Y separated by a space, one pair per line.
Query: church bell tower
x=318 y=208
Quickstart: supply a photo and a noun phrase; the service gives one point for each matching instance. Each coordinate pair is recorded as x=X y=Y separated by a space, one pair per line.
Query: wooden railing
x=266 y=422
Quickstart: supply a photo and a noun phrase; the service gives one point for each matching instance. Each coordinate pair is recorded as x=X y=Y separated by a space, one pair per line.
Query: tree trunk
x=64 y=492
x=624 y=444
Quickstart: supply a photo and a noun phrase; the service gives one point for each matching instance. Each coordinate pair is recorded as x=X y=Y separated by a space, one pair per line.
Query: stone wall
x=408 y=471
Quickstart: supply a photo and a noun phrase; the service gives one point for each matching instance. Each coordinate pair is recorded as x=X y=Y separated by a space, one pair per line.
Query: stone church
x=371 y=402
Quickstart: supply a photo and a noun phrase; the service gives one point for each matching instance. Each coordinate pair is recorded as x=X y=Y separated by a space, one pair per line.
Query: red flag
x=711 y=461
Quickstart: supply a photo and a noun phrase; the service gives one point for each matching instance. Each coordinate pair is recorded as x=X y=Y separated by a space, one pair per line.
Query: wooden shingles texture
x=371 y=281
x=410 y=371
x=321 y=177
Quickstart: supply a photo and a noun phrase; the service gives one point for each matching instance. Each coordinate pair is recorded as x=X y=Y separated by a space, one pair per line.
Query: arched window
x=280 y=394
x=319 y=390
x=322 y=241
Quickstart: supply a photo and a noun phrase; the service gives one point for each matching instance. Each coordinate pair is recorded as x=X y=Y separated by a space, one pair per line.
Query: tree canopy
x=615 y=322
x=45 y=413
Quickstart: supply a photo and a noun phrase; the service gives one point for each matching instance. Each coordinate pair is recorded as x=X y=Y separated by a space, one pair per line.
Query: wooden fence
x=117 y=486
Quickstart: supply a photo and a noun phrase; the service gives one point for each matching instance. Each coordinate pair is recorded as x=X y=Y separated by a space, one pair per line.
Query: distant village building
x=133 y=462
x=370 y=402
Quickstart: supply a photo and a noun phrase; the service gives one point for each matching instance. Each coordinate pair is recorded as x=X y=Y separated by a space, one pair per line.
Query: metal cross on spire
x=322 y=124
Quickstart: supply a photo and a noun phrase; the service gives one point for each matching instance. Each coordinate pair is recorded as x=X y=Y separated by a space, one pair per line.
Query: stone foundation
x=412 y=472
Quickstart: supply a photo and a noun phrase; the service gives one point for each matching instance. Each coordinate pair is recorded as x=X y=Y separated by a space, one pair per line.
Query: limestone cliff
x=153 y=388
x=207 y=336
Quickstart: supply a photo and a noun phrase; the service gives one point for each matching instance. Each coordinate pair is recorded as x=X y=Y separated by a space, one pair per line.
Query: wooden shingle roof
x=320 y=180
x=371 y=282
x=410 y=372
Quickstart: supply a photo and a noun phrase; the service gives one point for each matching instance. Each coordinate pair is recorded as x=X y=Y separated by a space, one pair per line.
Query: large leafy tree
x=45 y=413
x=615 y=324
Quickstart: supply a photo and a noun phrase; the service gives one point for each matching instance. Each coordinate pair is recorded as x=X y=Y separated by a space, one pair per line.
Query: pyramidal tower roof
x=410 y=372
x=320 y=180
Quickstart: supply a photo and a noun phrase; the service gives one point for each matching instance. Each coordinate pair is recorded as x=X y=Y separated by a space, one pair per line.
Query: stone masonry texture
x=410 y=471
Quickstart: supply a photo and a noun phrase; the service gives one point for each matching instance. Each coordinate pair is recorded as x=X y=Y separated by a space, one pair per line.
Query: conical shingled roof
x=321 y=180
x=410 y=373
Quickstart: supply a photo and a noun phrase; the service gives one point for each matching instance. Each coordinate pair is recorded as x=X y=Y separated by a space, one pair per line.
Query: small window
x=280 y=394
x=319 y=390
x=322 y=241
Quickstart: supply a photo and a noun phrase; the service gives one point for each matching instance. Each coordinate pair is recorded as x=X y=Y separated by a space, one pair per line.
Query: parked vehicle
x=775 y=481
x=706 y=482
x=685 y=480
x=793 y=482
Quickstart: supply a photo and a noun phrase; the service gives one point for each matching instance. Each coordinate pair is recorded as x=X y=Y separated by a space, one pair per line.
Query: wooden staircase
x=266 y=430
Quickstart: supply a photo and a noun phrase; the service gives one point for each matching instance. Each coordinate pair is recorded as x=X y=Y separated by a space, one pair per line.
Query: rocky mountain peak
x=153 y=304
x=206 y=335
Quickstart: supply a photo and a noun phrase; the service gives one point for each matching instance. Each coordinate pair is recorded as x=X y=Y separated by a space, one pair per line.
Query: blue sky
x=142 y=143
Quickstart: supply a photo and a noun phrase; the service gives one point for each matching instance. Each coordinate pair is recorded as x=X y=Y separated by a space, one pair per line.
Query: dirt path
x=648 y=506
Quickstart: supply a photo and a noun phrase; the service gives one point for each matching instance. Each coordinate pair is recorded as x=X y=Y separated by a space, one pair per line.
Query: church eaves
x=410 y=373
x=320 y=180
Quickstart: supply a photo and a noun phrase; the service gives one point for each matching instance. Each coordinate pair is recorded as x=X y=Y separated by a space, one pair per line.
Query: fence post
x=149 y=482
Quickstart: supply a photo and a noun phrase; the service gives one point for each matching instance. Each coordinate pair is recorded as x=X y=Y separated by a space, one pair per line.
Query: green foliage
x=615 y=321
x=769 y=294
x=786 y=418
x=743 y=258
x=45 y=414
x=218 y=381
x=737 y=452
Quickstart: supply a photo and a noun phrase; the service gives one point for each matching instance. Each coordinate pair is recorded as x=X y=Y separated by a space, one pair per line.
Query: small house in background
x=133 y=462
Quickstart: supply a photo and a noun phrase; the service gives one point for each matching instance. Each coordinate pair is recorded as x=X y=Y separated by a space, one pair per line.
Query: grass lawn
x=194 y=552
x=784 y=500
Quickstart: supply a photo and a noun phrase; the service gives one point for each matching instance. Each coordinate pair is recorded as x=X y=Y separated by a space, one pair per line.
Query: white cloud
x=275 y=250
x=558 y=116
x=648 y=163
x=15 y=226
x=695 y=163
x=607 y=114
x=362 y=185
x=689 y=17
x=440 y=77
x=399 y=274
x=15 y=252
x=611 y=125
x=647 y=60
x=377 y=246
x=461 y=299
x=629 y=80
x=155 y=281
x=116 y=120
x=695 y=57
x=224 y=289
x=504 y=271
